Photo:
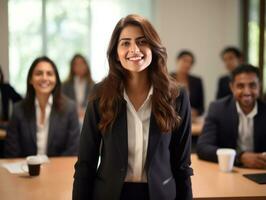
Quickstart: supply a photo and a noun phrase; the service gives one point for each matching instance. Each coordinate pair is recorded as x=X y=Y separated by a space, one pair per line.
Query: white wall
x=4 y=38
x=203 y=26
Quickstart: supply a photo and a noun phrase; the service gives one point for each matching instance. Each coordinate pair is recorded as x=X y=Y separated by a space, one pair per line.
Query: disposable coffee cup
x=34 y=165
x=226 y=158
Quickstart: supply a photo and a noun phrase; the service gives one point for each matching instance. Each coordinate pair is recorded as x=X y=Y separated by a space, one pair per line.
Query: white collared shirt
x=79 y=88
x=138 y=123
x=43 y=129
x=245 y=140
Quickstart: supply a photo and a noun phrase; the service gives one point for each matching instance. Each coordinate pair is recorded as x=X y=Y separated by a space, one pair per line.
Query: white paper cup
x=226 y=158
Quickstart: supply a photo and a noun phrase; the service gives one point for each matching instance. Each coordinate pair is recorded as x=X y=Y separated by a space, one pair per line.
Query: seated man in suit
x=231 y=57
x=237 y=121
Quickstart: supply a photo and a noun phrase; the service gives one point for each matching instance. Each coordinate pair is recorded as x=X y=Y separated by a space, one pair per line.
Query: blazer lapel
x=71 y=91
x=234 y=118
x=256 y=128
x=51 y=130
x=33 y=129
x=86 y=96
x=154 y=138
x=120 y=134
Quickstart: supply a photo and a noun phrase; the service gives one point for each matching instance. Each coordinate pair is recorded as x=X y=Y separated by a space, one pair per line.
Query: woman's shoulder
x=195 y=78
x=68 y=103
x=67 y=83
x=96 y=91
x=182 y=97
x=19 y=108
x=6 y=87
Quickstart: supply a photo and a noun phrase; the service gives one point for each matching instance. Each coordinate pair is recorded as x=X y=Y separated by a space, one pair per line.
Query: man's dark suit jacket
x=63 y=134
x=221 y=129
x=8 y=94
x=196 y=92
x=223 y=89
x=167 y=163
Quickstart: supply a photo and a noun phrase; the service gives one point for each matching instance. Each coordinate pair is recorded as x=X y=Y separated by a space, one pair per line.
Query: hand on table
x=253 y=160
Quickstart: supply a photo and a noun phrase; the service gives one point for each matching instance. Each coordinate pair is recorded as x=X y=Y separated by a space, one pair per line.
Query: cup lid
x=225 y=151
x=33 y=160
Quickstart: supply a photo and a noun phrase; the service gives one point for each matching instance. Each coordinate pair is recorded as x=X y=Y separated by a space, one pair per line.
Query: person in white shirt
x=45 y=122
x=237 y=121
x=79 y=83
x=138 y=120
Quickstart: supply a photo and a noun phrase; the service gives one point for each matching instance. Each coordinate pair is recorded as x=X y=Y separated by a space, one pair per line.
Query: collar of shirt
x=79 y=88
x=148 y=96
x=49 y=103
x=250 y=115
x=78 y=80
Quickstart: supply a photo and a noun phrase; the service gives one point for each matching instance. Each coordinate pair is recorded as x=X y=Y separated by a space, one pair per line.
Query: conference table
x=56 y=179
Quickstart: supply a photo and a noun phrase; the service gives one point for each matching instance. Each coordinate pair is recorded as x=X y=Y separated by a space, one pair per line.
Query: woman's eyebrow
x=141 y=37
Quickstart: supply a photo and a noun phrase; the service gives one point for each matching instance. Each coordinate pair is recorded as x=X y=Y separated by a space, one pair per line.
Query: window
x=254 y=33
x=61 y=28
x=254 y=43
x=24 y=39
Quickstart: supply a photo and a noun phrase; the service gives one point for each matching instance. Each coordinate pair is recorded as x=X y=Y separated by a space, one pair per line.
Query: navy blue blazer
x=196 y=92
x=63 y=134
x=167 y=163
x=223 y=87
x=221 y=129
x=8 y=95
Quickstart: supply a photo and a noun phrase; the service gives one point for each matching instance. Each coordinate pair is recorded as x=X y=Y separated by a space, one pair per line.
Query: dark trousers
x=135 y=191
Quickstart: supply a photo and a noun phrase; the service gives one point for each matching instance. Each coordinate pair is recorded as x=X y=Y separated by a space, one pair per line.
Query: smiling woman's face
x=43 y=78
x=133 y=50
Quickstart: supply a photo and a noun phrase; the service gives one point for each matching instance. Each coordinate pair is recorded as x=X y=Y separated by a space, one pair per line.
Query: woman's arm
x=180 y=150
x=86 y=166
x=73 y=131
x=12 y=147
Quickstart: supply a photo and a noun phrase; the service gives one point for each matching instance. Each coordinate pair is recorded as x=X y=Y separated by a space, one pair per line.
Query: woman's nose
x=134 y=48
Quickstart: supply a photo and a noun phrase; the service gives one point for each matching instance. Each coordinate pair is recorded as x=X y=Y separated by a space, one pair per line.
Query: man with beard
x=237 y=121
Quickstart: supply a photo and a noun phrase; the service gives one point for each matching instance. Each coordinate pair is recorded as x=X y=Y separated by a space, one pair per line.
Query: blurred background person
x=237 y=121
x=231 y=57
x=8 y=96
x=79 y=83
x=45 y=122
x=184 y=62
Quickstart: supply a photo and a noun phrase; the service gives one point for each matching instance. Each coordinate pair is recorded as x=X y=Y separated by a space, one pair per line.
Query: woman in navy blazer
x=45 y=122
x=184 y=61
x=7 y=95
x=137 y=85
x=79 y=83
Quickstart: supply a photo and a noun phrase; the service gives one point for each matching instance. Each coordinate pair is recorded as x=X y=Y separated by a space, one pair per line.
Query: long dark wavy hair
x=30 y=93
x=72 y=74
x=165 y=90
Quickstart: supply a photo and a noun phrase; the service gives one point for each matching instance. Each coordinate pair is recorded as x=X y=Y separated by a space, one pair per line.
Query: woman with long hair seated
x=79 y=83
x=45 y=122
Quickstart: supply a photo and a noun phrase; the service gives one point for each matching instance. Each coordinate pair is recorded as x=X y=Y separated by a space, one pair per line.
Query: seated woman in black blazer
x=184 y=62
x=8 y=96
x=139 y=119
x=79 y=83
x=44 y=122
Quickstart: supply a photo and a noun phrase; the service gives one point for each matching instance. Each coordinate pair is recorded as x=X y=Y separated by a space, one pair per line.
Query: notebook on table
x=258 y=178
